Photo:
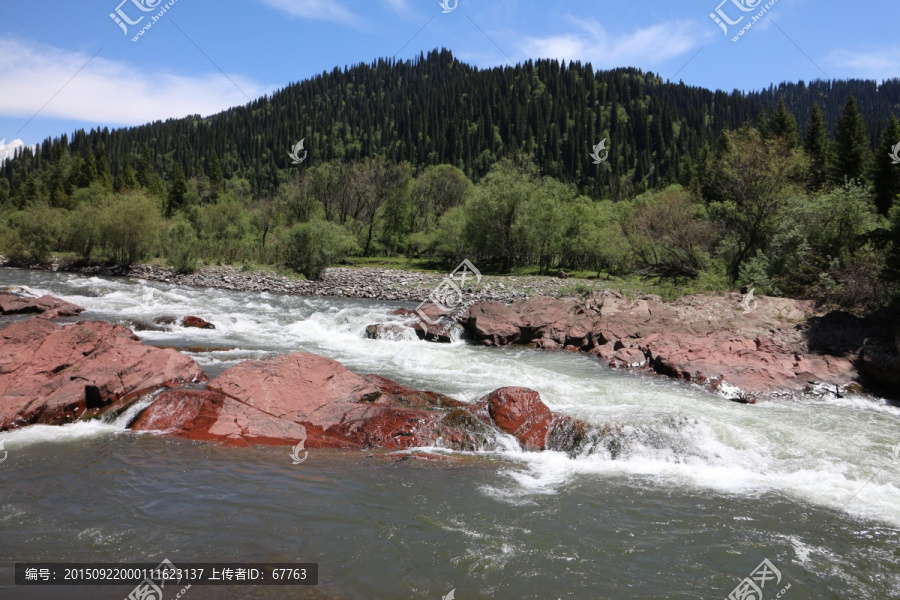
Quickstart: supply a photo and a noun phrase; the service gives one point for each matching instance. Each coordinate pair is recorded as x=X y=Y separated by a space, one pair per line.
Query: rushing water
x=699 y=492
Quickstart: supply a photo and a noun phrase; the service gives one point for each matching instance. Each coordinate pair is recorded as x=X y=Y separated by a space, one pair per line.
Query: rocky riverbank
x=56 y=374
x=365 y=283
x=743 y=350
x=769 y=347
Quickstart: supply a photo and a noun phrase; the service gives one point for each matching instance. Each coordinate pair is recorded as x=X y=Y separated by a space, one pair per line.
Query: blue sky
x=204 y=56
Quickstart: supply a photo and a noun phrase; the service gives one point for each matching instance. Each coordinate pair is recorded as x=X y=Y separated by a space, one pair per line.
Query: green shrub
x=131 y=227
x=181 y=247
x=38 y=233
x=311 y=247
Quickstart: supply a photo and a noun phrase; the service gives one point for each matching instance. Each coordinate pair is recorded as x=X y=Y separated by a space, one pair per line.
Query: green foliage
x=853 y=153
x=128 y=180
x=85 y=228
x=131 y=227
x=886 y=174
x=492 y=213
x=819 y=148
x=753 y=176
x=821 y=248
x=37 y=232
x=667 y=235
x=311 y=247
x=181 y=247
x=784 y=125
x=178 y=192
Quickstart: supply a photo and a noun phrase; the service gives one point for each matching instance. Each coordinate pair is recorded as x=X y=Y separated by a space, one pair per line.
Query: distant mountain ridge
x=436 y=109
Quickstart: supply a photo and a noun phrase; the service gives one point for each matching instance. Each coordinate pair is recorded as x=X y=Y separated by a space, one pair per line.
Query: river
x=700 y=491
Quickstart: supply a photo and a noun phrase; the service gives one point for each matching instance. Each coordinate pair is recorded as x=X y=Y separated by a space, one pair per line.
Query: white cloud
x=319 y=10
x=651 y=45
x=8 y=149
x=880 y=64
x=107 y=91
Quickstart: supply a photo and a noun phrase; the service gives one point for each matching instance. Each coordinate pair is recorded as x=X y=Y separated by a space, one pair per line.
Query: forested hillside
x=436 y=110
x=792 y=190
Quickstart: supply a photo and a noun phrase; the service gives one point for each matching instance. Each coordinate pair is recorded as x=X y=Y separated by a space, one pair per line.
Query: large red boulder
x=53 y=374
x=318 y=400
x=210 y=416
x=46 y=306
x=337 y=407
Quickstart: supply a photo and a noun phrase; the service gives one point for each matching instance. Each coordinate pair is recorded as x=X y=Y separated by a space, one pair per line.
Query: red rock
x=53 y=374
x=629 y=358
x=273 y=401
x=521 y=413
x=196 y=323
x=412 y=397
x=46 y=306
x=702 y=339
x=210 y=416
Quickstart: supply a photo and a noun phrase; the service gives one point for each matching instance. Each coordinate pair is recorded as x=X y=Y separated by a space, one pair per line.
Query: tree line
x=805 y=211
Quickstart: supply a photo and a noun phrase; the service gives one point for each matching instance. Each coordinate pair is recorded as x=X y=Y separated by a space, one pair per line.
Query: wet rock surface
x=47 y=307
x=317 y=400
x=53 y=374
x=709 y=340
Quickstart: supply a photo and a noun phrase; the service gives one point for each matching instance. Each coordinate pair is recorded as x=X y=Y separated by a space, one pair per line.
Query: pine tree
x=784 y=125
x=214 y=170
x=886 y=173
x=819 y=147
x=178 y=192
x=88 y=171
x=127 y=180
x=58 y=196
x=853 y=153
x=104 y=176
x=145 y=168
x=762 y=124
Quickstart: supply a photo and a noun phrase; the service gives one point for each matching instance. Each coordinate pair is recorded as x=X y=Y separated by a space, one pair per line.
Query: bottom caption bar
x=167 y=573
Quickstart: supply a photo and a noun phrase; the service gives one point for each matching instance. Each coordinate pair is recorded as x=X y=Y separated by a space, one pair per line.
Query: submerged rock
x=196 y=323
x=54 y=374
x=388 y=331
